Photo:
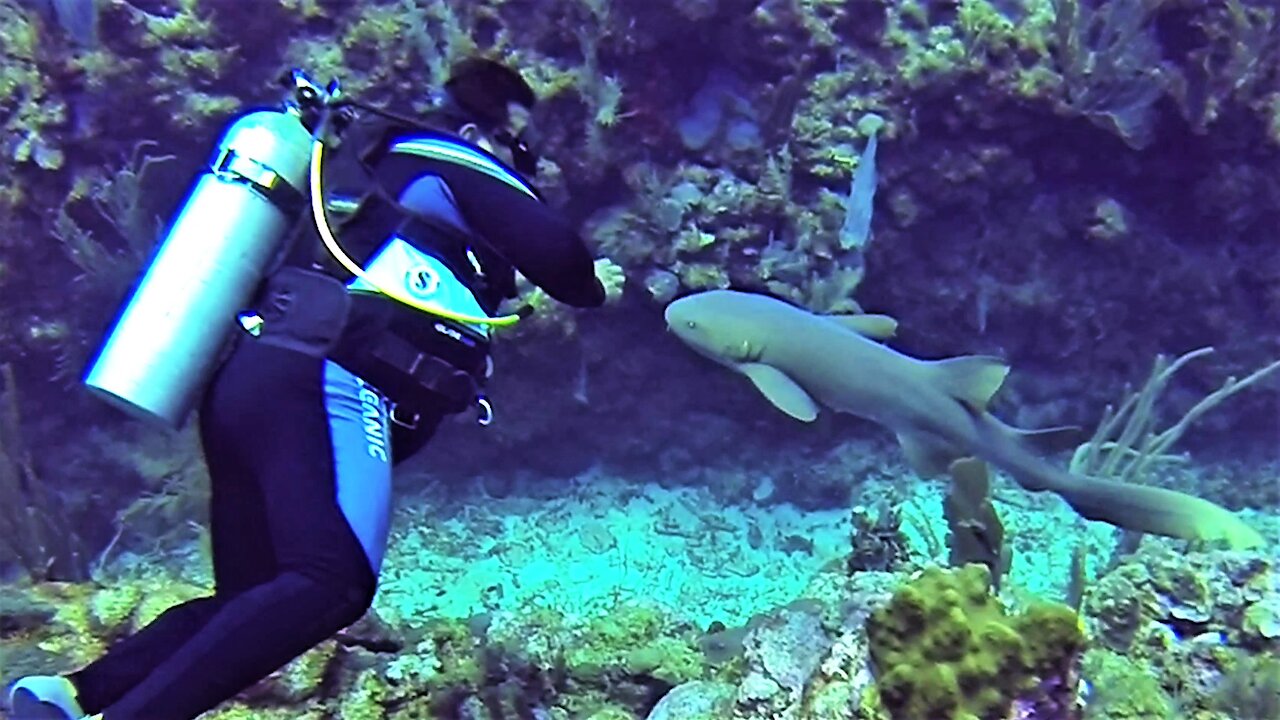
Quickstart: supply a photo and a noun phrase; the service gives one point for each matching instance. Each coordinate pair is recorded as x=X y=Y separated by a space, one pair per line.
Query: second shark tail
x=1155 y=510
x=1127 y=505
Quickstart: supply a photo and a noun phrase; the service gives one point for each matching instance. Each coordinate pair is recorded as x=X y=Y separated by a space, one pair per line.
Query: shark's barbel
x=938 y=409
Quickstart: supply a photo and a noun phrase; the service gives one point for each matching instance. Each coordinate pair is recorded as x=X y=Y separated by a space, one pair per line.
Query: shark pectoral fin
x=1158 y=510
x=971 y=379
x=781 y=390
x=876 y=327
x=926 y=456
x=1050 y=441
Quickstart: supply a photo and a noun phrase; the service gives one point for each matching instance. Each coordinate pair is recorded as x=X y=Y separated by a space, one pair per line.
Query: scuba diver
x=335 y=378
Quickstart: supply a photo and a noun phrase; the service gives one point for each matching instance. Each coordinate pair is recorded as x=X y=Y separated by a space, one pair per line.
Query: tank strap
x=231 y=166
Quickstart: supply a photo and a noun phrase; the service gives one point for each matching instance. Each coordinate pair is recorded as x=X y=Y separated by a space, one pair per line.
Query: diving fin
x=44 y=697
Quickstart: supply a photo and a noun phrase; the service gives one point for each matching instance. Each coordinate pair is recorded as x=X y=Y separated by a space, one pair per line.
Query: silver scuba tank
x=170 y=333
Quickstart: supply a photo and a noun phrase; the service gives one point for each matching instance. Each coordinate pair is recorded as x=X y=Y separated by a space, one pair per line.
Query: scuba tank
x=229 y=234
x=170 y=335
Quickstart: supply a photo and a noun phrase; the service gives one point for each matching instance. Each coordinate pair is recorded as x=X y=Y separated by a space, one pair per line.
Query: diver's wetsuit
x=299 y=452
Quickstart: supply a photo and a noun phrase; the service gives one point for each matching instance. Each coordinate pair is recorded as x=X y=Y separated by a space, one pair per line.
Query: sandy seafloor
x=597 y=540
x=592 y=542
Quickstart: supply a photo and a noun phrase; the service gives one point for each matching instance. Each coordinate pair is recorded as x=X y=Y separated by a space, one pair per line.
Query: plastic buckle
x=486 y=411
x=408 y=425
x=252 y=322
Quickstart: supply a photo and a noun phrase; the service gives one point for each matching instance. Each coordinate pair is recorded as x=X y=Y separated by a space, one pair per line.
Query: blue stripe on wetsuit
x=357 y=412
x=361 y=433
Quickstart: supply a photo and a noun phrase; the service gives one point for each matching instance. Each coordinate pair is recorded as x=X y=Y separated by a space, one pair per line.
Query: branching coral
x=1110 y=62
x=1119 y=458
x=1126 y=445
x=397 y=47
x=1236 y=58
x=602 y=94
x=1118 y=58
x=106 y=267
x=1251 y=690
x=32 y=523
x=165 y=516
x=189 y=55
x=877 y=540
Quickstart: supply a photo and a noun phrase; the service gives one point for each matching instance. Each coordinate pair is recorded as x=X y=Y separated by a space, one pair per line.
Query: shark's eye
x=692 y=325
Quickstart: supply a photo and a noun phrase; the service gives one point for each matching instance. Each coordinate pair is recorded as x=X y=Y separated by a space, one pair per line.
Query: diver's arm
x=530 y=235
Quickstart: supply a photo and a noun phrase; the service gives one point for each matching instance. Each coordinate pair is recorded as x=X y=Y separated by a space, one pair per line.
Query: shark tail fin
x=1158 y=510
x=971 y=379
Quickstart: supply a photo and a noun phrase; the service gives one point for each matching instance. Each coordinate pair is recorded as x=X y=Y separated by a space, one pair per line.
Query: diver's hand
x=612 y=277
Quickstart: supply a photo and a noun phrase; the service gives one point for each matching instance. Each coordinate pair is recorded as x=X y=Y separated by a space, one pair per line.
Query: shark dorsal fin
x=781 y=390
x=876 y=327
x=1048 y=441
x=971 y=379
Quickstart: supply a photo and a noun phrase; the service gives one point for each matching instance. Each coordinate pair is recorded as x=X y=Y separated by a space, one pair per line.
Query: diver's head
x=489 y=104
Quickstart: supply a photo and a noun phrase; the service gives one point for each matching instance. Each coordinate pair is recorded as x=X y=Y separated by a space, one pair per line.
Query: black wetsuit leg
x=290 y=567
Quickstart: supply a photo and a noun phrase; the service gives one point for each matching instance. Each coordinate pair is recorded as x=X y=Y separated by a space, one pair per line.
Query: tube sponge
x=944 y=649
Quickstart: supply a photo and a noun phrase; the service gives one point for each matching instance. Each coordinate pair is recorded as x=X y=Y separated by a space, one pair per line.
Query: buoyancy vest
x=480 y=222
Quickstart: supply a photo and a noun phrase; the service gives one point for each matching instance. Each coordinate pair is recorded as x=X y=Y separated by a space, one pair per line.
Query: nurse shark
x=801 y=361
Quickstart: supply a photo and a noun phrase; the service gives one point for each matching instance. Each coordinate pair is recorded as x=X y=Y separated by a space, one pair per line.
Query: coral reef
x=1165 y=629
x=945 y=648
x=1077 y=186
x=33 y=529
x=1170 y=629
x=736 y=169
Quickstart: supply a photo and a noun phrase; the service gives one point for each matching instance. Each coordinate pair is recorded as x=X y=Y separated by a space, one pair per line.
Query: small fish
x=582 y=382
x=856 y=230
